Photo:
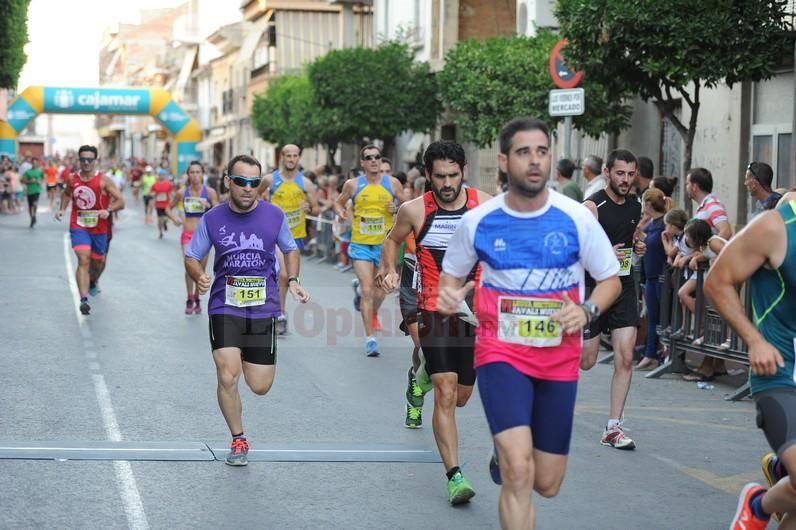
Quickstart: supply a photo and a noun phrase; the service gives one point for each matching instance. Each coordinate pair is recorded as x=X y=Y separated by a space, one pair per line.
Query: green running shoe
x=423 y=379
x=459 y=489
x=414 y=417
x=414 y=394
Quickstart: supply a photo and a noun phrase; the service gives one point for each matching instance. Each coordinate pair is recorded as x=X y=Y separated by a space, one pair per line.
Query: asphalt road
x=137 y=377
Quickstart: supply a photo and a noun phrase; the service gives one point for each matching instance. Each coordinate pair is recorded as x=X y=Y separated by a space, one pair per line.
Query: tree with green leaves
x=374 y=93
x=487 y=83
x=668 y=51
x=286 y=113
x=13 y=38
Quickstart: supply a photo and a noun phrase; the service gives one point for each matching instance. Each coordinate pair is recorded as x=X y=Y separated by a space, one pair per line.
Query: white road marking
x=125 y=480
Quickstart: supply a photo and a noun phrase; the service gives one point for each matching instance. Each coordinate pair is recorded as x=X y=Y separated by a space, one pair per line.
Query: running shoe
x=189 y=307
x=238 y=452
x=494 y=467
x=617 y=439
x=347 y=268
x=372 y=348
x=281 y=325
x=459 y=489
x=414 y=394
x=92 y=289
x=769 y=465
x=744 y=518
x=357 y=297
x=85 y=309
x=197 y=307
x=414 y=417
x=423 y=379
x=338 y=266
x=375 y=323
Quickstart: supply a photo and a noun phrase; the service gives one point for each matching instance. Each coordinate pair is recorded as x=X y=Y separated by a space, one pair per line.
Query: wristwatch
x=591 y=310
x=293 y=279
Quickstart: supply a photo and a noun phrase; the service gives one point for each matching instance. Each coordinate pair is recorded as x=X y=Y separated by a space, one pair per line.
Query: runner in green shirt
x=147 y=179
x=32 y=180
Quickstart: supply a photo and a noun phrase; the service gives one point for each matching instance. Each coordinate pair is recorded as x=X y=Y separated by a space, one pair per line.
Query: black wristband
x=293 y=279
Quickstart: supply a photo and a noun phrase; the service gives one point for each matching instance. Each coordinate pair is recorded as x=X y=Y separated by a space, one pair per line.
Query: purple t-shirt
x=245 y=258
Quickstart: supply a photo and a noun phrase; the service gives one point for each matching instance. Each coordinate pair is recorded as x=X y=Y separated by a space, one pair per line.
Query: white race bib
x=87 y=218
x=526 y=321
x=626 y=262
x=371 y=226
x=194 y=205
x=161 y=197
x=293 y=218
x=245 y=291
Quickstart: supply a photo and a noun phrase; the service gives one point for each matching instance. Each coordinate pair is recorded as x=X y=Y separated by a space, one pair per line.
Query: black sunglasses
x=752 y=171
x=244 y=181
x=87 y=160
x=371 y=157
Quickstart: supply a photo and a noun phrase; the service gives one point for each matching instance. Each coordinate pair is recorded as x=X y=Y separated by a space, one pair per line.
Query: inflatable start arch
x=156 y=102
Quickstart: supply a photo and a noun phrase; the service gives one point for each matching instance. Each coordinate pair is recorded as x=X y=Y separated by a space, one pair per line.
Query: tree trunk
x=689 y=145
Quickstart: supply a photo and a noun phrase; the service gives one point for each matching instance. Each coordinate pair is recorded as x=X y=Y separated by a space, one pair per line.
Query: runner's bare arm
x=264 y=189
x=342 y=199
x=292 y=262
x=178 y=196
x=755 y=246
x=312 y=198
x=399 y=191
x=66 y=196
x=117 y=200
x=387 y=276
x=213 y=196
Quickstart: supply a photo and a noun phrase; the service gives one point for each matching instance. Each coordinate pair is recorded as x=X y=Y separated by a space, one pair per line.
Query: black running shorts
x=448 y=344
x=255 y=337
x=776 y=415
x=623 y=314
x=407 y=297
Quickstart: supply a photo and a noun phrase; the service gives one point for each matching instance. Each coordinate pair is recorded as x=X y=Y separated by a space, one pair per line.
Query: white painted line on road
x=109 y=449
x=70 y=277
x=128 y=490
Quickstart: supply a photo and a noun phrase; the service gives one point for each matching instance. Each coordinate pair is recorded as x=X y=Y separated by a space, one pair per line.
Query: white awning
x=249 y=44
x=185 y=70
x=208 y=143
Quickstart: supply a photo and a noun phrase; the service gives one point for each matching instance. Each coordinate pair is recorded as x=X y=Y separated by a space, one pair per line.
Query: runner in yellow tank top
x=295 y=196
x=376 y=198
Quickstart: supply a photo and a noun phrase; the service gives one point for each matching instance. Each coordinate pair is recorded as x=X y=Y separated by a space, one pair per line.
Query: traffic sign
x=567 y=102
x=563 y=75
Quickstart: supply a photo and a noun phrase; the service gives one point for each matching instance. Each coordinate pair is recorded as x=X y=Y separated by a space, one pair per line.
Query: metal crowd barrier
x=678 y=328
x=324 y=236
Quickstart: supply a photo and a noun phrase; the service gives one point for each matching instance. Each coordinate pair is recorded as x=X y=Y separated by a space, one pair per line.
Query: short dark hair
x=89 y=148
x=620 y=154
x=384 y=159
x=665 y=184
x=763 y=173
x=645 y=167
x=246 y=159
x=401 y=177
x=516 y=125
x=369 y=146
x=443 y=150
x=566 y=167
x=702 y=178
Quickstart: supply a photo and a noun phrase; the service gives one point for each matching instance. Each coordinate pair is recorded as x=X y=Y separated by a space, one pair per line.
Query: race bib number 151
x=245 y=291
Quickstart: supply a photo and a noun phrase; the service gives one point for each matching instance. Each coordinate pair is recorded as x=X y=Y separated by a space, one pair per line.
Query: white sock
x=370 y=338
x=613 y=424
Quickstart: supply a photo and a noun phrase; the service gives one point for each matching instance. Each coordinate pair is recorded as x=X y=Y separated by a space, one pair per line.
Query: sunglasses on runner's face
x=243 y=181
x=371 y=157
x=87 y=160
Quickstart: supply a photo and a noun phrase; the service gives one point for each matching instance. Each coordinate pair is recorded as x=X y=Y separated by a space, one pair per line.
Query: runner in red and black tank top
x=432 y=242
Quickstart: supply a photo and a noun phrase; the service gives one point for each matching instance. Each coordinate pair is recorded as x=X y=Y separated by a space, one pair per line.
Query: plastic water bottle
x=705 y=386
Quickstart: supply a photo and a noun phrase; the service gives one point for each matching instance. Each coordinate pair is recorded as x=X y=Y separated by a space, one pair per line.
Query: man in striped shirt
x=699 y=186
